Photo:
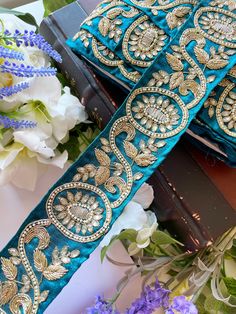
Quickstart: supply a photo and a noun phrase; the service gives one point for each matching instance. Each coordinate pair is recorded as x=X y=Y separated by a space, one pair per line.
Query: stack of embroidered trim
x=82 y=205
x=122 y=39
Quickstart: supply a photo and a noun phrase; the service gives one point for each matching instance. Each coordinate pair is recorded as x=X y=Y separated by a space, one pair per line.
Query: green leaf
x=72 y=147
x=26 y=17
x=230 y=285
x=162 y=238
x=51 y=6
x=129 y=234
x=211 y=305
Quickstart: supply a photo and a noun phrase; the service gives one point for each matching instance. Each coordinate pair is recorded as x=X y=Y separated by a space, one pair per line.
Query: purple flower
x=9 y=91
x=182 y=305
x=11 y=54
x=150 y=300
x=101 y=307
x=26 y=70
x=16 y=124
x=32 y=39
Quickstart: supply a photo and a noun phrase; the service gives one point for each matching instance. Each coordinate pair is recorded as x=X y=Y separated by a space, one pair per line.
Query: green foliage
x=211 y=305
x=129 y=234
x=53 y=5
x=80 y=138
x=230 y=285
x=26 y=17
x=162 y=238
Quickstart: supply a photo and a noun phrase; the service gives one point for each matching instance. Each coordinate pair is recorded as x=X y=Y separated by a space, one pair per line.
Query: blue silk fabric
x=115 y=44
x=72 y=218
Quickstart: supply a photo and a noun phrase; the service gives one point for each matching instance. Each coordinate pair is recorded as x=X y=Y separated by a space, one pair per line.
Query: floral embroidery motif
x=225 y=108
x=219 y=26
x=79 y=211
x=157 y=116
x=156 y=113
x=145 y=40
x=226 y=111
x=77 y=214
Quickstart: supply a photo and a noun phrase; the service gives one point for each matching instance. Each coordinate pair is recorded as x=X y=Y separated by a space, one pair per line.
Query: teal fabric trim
x=70 y=221
x=167 y=16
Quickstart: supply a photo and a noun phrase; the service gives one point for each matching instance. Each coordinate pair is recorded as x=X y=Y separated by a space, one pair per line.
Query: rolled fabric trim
x=70 y=221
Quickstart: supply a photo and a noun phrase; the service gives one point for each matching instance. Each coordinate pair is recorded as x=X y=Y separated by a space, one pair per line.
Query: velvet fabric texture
x=70 y=221
x=167 y=17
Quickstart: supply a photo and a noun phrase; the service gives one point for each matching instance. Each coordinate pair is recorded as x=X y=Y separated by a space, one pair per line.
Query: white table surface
x=92 y=278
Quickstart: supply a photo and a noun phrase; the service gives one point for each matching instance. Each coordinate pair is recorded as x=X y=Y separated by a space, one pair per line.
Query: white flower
x=144 y=235
x=55 y=111
x=134 y=216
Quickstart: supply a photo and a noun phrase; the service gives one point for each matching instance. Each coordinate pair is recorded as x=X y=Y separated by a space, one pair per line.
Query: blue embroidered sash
x=68 y=224
x=123 y=38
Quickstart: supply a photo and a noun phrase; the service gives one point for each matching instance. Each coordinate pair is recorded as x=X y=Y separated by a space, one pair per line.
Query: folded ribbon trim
x=68 y=224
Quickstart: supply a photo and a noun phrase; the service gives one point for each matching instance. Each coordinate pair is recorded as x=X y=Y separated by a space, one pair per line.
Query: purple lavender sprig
x=11 y=54
x=181 y=305
x=32 y=39
x=101 y=306
x=11 y=90
x=16 y=124
x=26 y=70
x=150 y=300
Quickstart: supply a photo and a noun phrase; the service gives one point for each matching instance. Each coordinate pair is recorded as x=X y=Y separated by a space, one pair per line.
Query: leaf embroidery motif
x=130 y=150
x=144 y=160
x=176 y=79
x=8 y=290
x=54 y=272
x=40 y=260
x=102 y=157
x=9 y=269
x=102 y=175
x=201 y=55
x=216 y=64
x=44 y=296
x=104 y=26
x=174 y=62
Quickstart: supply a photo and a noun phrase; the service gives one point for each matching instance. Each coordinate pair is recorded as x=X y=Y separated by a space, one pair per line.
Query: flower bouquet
x=36 y=110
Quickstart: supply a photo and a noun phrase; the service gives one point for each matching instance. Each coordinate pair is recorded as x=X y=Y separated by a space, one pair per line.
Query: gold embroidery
x=80 y=210
x=217 y=28
x=226 y=111
x=158 y=115
x=224 y=108
x=144 y=40
x=108 y=58
x=19 y=298
x=177 y=17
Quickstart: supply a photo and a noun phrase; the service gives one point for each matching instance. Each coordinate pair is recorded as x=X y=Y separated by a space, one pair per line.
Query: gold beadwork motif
x=77 y=213
x=224 y=109
x=218 y=28
x=144 y=40
x=81 y=210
